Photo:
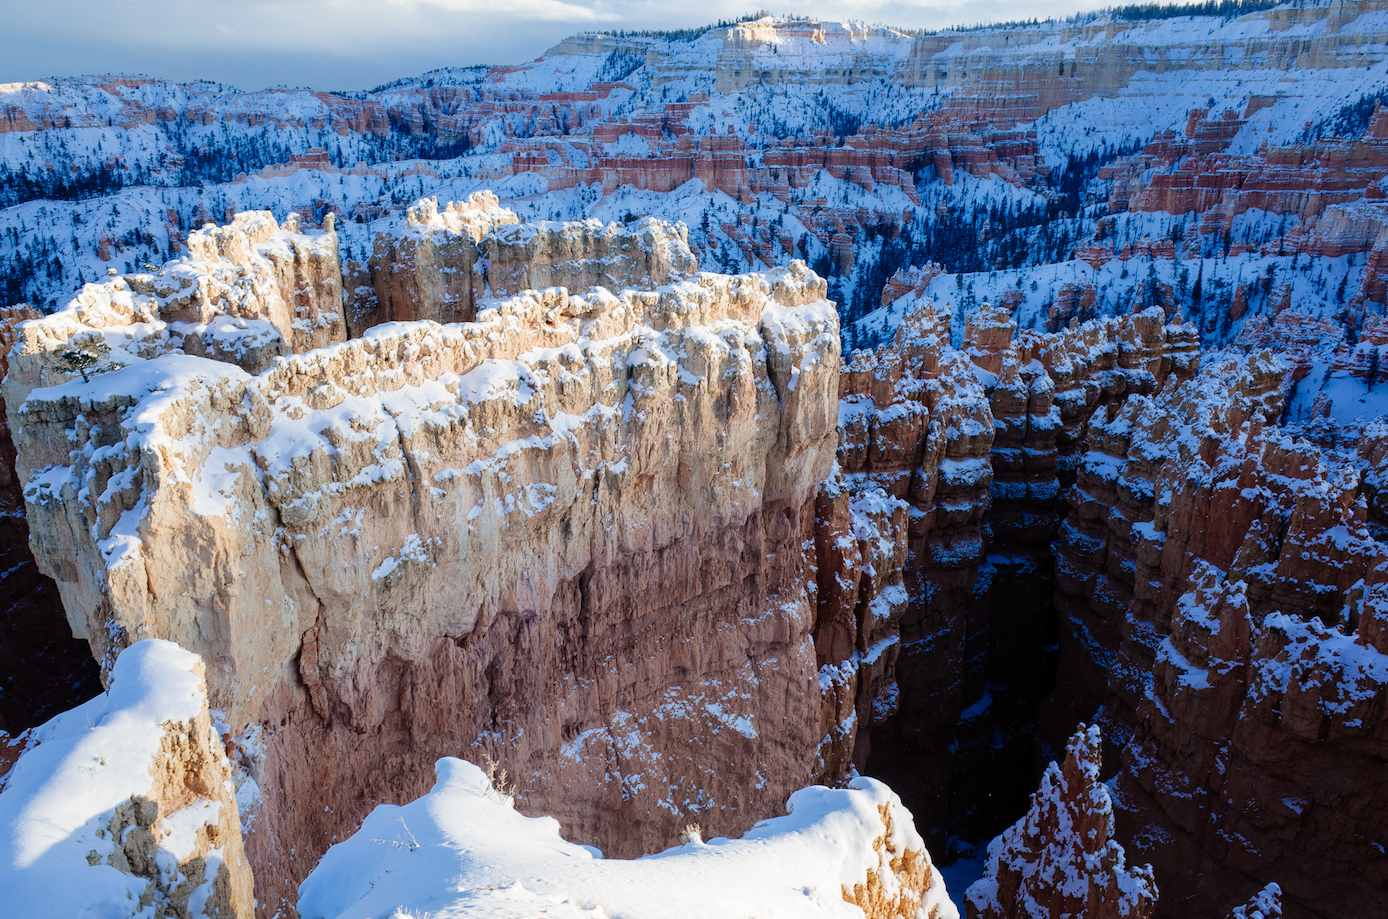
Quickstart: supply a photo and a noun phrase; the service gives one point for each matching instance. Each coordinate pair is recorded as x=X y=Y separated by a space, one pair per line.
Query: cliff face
x=1152 y=473
x=558 y=535
x=593 y=523
x=1219 y=580
x=936 y=632
x=45 y=670
x=914 y=432
x=618 y=541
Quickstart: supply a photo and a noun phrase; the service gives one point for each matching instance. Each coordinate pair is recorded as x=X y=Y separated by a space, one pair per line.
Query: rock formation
x=859 y=149
x=442 y=262
x=1060 y=859
x=1007 y=504
x=981 y=514
x=1265 y=904
x=572 y=534
x=1207 y=559
x=126 y=805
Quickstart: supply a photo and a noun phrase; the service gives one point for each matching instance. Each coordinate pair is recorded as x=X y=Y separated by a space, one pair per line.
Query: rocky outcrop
x=1095 y=577
x=855 y=845
x=125 y=806
x=1265 y=904
x=1061 y=859
x=244 y=294
x=564 y=535
x=933 y=544
x=581 y=531
x=441 y=263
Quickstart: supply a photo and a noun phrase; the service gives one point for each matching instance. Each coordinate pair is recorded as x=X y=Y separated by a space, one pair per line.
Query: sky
x=358 y=44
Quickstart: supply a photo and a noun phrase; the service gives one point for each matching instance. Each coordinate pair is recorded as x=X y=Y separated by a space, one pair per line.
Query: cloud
x=522 y=10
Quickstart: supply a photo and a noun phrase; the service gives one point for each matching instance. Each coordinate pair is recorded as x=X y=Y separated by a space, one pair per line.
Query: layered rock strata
x=441 y=263
x=933 y=545
x=573 y=534
x=475 y=537
x=1220 y=581
x=126 y=805
x=914 y=432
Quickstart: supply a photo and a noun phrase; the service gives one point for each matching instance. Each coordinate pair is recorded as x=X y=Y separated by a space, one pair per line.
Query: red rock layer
x=914 y=434
x=1214 y=577
x=933 y=543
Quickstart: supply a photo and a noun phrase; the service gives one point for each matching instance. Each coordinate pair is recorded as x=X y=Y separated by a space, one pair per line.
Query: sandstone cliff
x=962 y=455
x=617 y=540
x=572 y=534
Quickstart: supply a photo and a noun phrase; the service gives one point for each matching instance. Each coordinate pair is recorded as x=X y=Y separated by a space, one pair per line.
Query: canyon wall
x=574 y=535
x=936 y=631
x=1147 y=480
x=45 y=671
x=1217 y=581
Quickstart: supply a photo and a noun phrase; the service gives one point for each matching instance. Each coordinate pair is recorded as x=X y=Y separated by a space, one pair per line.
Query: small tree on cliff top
x=84 y=357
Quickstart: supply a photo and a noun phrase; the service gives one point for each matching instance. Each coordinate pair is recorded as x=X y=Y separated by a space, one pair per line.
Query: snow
x=413 y=549
x=462 y=850
x=58 y=800
x=962 y=873
x=1321 y=663
x=1353 y=401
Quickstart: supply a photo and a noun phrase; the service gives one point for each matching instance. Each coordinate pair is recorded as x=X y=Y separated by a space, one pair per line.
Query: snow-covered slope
x=125 y=806
x=462 y=850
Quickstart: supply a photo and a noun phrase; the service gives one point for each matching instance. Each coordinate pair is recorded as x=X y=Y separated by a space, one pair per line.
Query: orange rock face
x=958 y=458
x=1209 y=566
